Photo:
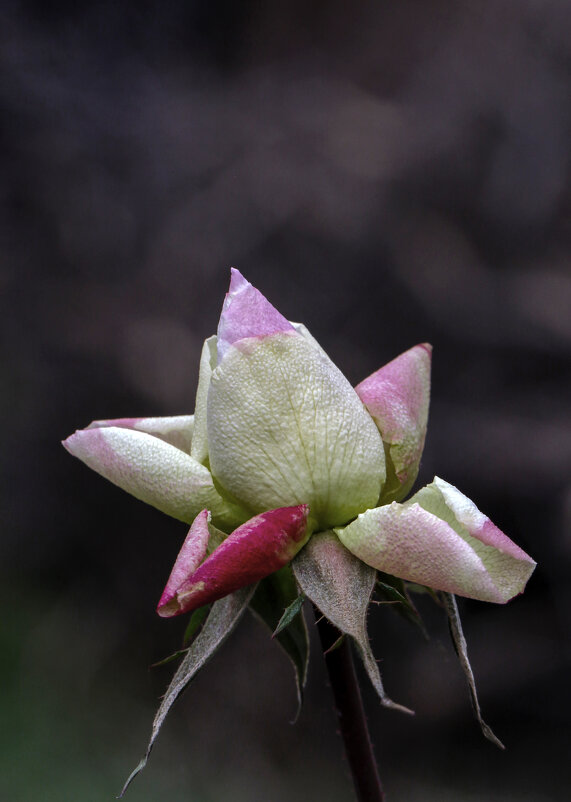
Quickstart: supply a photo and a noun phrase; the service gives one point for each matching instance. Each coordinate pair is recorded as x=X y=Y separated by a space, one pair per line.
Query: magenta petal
x=190 y=556
x=247 y=313
x=261 y=546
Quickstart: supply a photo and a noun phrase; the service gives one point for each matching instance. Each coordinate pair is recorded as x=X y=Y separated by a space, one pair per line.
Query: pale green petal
x=301 y=328
x=154 y=471
x=199 y=446
x=285 y=427
x=407 y=541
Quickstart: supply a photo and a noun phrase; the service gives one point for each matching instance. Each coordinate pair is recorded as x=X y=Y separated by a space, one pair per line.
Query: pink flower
x=281 y=447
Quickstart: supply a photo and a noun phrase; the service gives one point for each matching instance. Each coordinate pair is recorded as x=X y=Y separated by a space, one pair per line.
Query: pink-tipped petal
x=467 y=515
x=397 y=397
x=247 y=313
x=175 y=429
x=154 y=471
x=190 y=556
x=413 y=544
x=447 y=546
x=259 y=547
x=507 y=564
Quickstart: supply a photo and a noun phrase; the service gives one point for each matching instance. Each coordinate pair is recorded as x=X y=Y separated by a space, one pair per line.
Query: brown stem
x=350 y=712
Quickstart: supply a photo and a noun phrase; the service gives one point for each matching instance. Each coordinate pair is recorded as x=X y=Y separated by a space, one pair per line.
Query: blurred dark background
x=387 y=173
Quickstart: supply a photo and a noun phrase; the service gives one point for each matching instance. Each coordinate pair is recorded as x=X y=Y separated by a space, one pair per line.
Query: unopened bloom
x=285 y=464
x=281 y=448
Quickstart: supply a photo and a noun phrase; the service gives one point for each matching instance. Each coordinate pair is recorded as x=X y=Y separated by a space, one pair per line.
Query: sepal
x=340 y=586
x=274 y=595
x=461 y=648
x=221 y=620
x=394 y=591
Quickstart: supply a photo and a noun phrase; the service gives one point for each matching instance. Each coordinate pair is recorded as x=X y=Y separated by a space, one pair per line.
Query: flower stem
x=350 y=712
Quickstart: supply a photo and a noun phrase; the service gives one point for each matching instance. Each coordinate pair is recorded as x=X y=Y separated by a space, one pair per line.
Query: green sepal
x=274 y=597
x=395 y=591
x=340 y=586
x=461 y=649
x=195 y=621
x=289 y=614
x=221 y=620
x=414 y=587
x=335 y=645
x=171 y=658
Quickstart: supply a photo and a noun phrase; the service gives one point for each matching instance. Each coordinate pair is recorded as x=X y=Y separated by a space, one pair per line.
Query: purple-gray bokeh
x=387 y=173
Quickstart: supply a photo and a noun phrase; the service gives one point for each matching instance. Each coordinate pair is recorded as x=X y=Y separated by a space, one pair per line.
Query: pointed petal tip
x=237 y=281
x=78 y=442
x=179 y=600
x=67 y=443
x=90 y=446
x=479 y=525
x=246 y=313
